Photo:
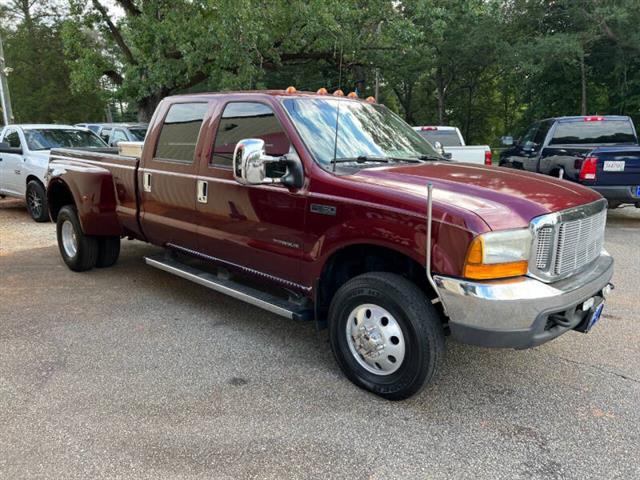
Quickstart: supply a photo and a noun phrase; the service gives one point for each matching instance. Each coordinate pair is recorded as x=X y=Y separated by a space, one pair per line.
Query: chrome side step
x=234 y=289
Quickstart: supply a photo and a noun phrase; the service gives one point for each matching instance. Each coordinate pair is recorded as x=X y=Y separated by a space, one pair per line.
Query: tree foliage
x=486 y=66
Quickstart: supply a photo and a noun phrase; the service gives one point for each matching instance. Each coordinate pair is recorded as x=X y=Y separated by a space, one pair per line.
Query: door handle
x=146 y=182
x=203 y=187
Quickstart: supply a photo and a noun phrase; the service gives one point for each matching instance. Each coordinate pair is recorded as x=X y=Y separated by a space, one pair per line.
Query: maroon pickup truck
x=326 y=208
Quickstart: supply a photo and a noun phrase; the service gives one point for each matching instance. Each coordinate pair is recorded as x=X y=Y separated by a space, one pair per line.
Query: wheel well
x=355 y=260
x=58 y=196
x=33 y=177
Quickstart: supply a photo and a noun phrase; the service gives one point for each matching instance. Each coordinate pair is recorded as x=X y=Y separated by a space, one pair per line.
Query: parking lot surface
x=129 y=372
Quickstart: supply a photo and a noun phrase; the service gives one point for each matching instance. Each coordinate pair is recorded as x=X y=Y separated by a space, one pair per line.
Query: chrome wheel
x=375 y=339
x=69 y=239
x=35 y=203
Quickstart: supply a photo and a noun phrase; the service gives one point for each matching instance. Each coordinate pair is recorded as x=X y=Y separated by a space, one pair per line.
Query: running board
x=237 y=290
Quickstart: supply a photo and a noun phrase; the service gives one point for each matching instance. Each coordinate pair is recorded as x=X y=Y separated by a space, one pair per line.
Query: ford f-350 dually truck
x=333 y=209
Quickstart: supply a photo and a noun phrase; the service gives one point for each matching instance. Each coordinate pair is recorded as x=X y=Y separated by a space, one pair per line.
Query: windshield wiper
x=360 y=159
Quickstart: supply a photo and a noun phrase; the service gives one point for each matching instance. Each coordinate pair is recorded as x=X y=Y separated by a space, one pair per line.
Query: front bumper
x=521 y=312
x=622 y=194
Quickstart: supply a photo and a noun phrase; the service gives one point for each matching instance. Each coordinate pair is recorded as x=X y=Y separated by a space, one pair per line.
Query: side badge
x=323 y=209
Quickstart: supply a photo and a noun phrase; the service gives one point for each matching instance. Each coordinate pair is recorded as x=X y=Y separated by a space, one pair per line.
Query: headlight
x=498 y=255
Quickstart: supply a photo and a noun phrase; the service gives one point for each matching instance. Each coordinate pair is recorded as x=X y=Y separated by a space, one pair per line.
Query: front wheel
x=36 y=199
x=79 y=251
x=385 y=334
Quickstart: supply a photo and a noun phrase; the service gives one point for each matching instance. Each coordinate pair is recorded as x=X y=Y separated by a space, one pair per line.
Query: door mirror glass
x=251 y=165
x=5 y=148
x=507 y=141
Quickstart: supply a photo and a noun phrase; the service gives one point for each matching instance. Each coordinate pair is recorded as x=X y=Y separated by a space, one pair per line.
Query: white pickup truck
x=24 y=160
x=449 y=142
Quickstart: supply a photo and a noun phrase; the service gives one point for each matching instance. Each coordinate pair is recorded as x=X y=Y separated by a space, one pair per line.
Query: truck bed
x=118 y=170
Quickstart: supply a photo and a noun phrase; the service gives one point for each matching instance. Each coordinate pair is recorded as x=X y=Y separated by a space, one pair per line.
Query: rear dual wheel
x=82 y=252
x=386 y=335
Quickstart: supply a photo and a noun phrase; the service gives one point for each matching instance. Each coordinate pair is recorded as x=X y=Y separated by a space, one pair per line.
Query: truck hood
x=503 y=198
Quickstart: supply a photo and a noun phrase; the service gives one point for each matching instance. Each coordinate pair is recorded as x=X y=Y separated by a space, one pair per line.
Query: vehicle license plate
x=613 y=166
x=595 y=317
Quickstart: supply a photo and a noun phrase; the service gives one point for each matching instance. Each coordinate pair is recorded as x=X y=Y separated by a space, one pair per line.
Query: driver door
x=12 y=165
x=255 y=227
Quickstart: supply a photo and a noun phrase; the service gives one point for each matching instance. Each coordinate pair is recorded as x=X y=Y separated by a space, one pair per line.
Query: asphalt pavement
x=129 y=372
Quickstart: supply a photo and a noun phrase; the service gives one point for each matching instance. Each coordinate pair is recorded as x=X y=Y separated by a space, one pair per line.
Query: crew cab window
x=242 y=120
x=13 y=139
x=593 y=132
x=179 y=134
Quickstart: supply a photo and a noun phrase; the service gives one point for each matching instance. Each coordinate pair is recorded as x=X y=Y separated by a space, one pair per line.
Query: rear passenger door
x=167 y=177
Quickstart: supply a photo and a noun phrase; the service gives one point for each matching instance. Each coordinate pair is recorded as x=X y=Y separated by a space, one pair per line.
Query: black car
x=601 y=152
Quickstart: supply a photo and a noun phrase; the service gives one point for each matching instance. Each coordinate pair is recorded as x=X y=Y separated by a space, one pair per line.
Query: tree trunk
x=441 y=93
x=148 y=105
x=583 y=81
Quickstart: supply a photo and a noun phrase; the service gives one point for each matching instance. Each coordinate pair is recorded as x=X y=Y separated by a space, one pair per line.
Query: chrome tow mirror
x=250 y=165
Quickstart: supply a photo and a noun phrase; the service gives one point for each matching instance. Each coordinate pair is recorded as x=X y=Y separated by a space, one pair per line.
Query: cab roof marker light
x=291 y=89
x=352 y=95
x=371 y=99
x=338 y=93
x=322 y=91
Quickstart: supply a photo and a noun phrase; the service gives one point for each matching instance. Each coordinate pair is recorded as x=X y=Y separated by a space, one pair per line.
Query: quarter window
x=242 y=120
x=179 y=134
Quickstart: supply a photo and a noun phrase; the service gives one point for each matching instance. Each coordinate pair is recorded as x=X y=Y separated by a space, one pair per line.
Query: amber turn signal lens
x=352 y=95
x=338 y=93
x=322 y=91
x=476 y=270
x=371 y=99
x=291 y=89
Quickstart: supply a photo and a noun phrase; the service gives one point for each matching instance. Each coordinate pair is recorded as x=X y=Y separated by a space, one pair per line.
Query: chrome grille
x=579 y=243
x=567 y=241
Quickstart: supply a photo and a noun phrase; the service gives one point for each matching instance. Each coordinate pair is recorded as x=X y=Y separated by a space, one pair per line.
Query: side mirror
x=5 y=148
x=438 y=146
x=250 y=165
x=507 y=141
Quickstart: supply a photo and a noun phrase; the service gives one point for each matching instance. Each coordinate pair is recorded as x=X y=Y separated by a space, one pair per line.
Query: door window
x=180 y=131
x=541 y=134
x=527 y=140
x=241 y=120
x=13 y=139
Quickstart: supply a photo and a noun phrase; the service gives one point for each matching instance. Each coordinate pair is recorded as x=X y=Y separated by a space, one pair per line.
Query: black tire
x=86 y=253
x=36 y=199
x=420 y=324
x=108 y=251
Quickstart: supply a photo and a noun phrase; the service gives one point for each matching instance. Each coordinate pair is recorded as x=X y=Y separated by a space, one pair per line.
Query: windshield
x=447 y=138
x=55 y=138
x=606 y=131
x=363 y=131
x=138 y=133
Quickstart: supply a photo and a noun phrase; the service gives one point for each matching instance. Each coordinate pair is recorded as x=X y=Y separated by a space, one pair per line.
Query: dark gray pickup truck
x=600 y=152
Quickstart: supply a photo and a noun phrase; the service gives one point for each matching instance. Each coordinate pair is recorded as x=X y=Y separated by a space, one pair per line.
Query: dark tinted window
x=13 y=139
x=530 y=135
x=242 y=120
x=138 y=133
x=604 y=131
x=541 y=134
x=180 y=131
x=448 y=138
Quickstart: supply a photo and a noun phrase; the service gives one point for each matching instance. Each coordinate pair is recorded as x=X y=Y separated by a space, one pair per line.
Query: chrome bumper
x=520 y=312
